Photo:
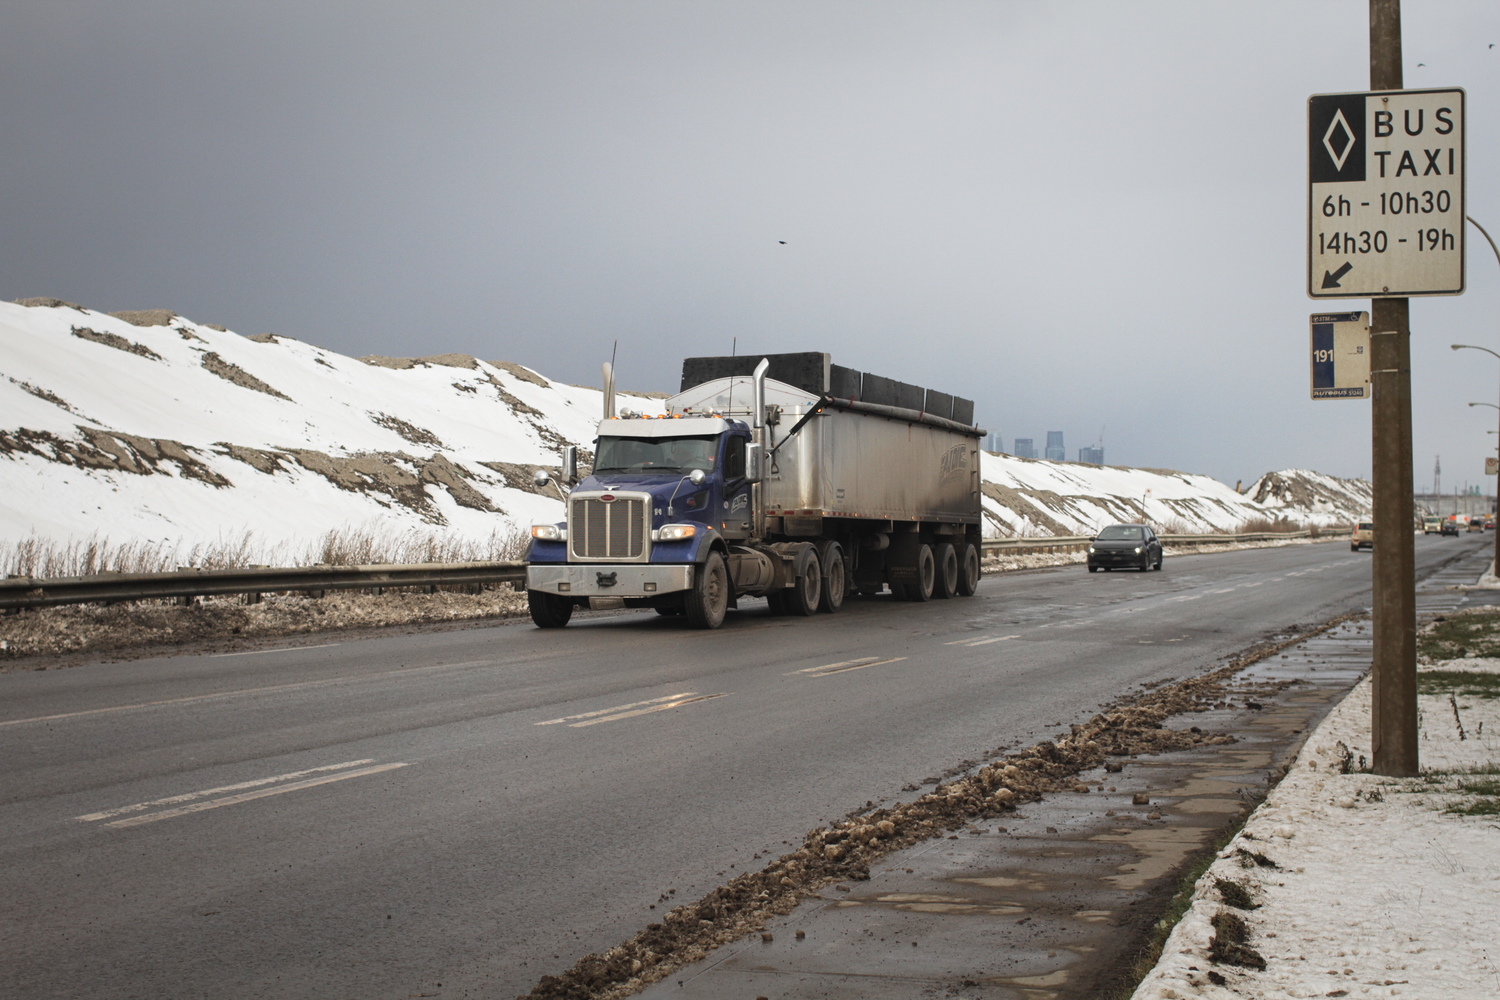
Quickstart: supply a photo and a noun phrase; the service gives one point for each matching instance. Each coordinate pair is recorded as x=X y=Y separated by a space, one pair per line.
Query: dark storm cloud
x=1078 y=214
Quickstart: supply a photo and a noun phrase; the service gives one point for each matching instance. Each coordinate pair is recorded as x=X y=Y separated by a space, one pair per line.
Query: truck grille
x=615 y=530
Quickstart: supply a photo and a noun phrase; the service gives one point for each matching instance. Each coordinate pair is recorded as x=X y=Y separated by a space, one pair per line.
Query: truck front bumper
x=593 y=580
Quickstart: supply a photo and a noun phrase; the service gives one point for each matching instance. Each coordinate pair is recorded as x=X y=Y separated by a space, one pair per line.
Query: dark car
x=1134 y=545
x=1450 y=527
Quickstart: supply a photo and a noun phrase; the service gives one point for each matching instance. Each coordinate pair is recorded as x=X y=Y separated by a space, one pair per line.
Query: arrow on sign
x=1331 y=278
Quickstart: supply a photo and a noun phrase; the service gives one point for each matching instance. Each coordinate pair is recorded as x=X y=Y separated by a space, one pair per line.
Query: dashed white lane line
x=1226 y=590
x=283 y=649
x=986 y=642
x=1257 y=583
x=629 y=711
x=839 y=668
x=683 y=700
x=861 y=662
x=230 y=800
x=173 y=800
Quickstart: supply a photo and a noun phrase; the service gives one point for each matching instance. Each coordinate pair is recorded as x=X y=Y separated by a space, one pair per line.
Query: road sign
x=1385 y=194
x=1341 y=355
x=1492 y=466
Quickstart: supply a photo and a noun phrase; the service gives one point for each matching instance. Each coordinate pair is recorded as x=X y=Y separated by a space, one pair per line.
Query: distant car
x=1475 y=524
x=1489 y=524
x=1133 y=545
x=1363 y=537
x=1432 y=525
x=1450 y=527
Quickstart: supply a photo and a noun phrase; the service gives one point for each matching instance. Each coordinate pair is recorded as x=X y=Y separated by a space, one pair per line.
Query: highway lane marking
x=681 y=700
x=1255 y=584
x=1187 y=597
x=293 y=686
x=617 y=708
x=863 y=661
x=998 y=638
x=231 y=800
x=284 y=649
x=839 y=668
x=1226 y=590
x=173 y=800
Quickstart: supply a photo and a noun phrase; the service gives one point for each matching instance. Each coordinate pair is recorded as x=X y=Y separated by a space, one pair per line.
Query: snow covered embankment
x=1376 y=890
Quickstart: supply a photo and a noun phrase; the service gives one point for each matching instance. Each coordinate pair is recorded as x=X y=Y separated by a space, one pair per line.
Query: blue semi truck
x=782 y=476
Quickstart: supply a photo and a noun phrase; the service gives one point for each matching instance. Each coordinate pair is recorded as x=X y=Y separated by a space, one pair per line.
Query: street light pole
x=1495 y=569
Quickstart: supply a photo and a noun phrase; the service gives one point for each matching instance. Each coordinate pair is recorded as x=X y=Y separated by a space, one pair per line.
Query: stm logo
x=955 y=462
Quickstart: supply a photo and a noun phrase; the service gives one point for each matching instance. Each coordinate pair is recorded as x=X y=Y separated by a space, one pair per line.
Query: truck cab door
x=735 y=516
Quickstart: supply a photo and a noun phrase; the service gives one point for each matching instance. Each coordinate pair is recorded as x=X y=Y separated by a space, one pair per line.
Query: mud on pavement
x=1084 y=870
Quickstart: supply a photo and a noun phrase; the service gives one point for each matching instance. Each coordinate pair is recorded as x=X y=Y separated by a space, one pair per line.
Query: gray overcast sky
x=1082 y=215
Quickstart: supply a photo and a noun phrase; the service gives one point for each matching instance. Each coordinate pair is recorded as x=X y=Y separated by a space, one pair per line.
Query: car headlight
x=1137 y=550
x=1091 y=550
x=549 y=532
x=675 y=532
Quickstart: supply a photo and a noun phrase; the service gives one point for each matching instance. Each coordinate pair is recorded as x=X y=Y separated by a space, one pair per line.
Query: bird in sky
x=782 y=242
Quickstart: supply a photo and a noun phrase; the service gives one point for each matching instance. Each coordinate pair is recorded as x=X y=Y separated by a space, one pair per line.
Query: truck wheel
x=921 y=588
x=804 y=596
x=945 y=577
x=548 y=610
x=968 y=572
x=835 y=577
x=706 y=603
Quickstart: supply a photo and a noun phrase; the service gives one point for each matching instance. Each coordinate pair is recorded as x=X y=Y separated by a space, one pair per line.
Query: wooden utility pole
x=1394 y=671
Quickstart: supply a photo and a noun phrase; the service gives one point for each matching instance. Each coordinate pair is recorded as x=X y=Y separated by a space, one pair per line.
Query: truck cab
x=663 y=494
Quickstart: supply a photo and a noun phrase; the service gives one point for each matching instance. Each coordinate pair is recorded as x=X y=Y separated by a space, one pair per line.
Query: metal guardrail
x=1068 y=543
x=29 y=592
x=185 y=584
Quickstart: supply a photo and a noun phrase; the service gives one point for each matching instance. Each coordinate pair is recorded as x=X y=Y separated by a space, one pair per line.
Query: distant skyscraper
x=1024 y=448
x=1055 y=450
x=1093 y=456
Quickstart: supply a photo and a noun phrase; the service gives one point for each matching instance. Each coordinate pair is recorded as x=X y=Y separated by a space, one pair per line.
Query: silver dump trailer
x=782 y=476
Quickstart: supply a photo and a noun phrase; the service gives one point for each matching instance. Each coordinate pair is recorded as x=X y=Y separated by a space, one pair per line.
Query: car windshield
x=1121 y=533
x=679 y=455
x=1366 y=526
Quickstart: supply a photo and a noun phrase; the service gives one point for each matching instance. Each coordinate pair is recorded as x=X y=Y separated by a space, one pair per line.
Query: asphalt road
x=476 y=808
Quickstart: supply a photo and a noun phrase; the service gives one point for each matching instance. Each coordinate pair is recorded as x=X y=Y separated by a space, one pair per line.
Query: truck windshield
x=656 y=455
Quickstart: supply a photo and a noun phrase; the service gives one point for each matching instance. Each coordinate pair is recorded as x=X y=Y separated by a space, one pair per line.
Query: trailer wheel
x=835 y=576
x=968 y=572
x=945 y=577
x=921 y=588
x=548 y=610
x=805 y=595
x=706 y=603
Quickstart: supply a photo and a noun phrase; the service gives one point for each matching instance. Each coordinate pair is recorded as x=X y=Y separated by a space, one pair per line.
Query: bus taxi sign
x=1385 y=194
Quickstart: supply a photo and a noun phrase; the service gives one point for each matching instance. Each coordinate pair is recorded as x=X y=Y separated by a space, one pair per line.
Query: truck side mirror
x=541 y=478
x=697 y=476
x=755 y=462
x=570 y=464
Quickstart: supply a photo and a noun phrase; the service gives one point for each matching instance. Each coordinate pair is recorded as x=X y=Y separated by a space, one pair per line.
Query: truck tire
x=969 y=571
x=921 y=588
x=835 y=576
x=804 y=596
x=705 y=604
x=945 y=575
x=548 y=610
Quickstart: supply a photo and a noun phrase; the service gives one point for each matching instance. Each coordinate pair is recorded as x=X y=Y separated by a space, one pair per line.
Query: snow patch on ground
x=1379 y=891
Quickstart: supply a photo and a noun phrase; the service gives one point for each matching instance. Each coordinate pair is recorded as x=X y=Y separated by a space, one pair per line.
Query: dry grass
x=47 y=558
x=1282 y=525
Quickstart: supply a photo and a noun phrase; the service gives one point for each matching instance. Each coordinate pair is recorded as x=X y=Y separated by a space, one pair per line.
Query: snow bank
x=1379 y=891
x=148 y=427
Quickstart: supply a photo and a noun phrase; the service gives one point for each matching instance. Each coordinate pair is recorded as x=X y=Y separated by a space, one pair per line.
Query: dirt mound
x=146 y=317
x=46 y=303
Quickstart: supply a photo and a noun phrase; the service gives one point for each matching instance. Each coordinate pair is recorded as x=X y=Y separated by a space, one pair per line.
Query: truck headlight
x=1137 y=550
x=549 y=532
x=675 y=532
x=1091 y=549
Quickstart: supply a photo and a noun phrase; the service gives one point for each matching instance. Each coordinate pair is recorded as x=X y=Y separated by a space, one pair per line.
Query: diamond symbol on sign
x=1339 y=122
